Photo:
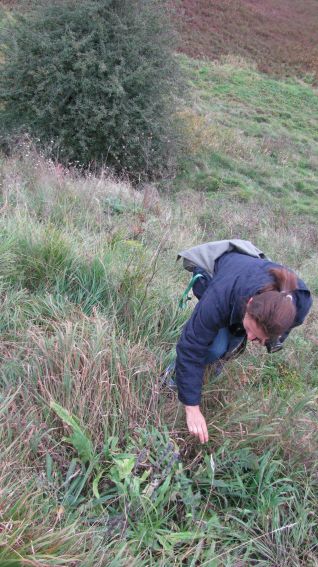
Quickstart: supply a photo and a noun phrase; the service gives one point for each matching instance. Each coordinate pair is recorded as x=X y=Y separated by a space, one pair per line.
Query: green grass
x=251 y=136
x=97 y=467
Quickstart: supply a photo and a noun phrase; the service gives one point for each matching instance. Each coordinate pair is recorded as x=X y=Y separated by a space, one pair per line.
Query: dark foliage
x=94 y=82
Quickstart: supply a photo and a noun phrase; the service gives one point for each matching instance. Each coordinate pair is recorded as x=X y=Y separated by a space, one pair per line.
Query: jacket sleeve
x=210 y=315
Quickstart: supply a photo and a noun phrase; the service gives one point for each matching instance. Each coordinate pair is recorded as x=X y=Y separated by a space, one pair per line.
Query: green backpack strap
x=185 y=297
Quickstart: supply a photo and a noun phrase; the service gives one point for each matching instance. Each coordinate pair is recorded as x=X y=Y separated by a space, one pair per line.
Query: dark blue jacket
x=237 y=277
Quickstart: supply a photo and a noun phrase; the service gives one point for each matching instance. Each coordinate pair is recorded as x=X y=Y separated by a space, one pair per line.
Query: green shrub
x=94 y=82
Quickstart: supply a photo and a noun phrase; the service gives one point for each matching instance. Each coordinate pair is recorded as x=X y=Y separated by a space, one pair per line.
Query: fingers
x=196 y=423
x=200 y=431
x=203 y=433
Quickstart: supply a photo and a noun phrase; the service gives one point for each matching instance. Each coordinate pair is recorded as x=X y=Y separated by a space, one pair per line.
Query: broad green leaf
x=95 y=484
x=78 y=439
x=123 y=467
x=162 y=490
x=180 y=537
x=65 y=416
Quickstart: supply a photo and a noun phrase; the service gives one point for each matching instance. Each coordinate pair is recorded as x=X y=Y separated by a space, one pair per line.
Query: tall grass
x=97 y=467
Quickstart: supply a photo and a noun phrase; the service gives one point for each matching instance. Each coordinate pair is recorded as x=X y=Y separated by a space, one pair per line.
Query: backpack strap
x=185 y=297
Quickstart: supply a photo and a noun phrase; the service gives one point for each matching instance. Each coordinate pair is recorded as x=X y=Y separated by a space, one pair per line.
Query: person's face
x=253 y=331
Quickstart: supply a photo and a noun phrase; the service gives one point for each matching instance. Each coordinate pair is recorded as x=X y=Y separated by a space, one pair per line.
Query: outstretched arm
x=210 y=314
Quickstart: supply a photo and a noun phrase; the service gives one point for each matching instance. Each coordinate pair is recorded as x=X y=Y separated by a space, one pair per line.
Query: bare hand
x=196 y=423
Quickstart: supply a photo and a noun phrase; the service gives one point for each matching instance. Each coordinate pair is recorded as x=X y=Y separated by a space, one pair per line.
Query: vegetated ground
x=97 y=467
x=281 y=37
x=251 y=136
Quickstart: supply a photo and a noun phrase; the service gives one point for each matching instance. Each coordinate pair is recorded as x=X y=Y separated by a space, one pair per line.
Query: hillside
x=98 y=468
x=250 y=136
x=281 y=37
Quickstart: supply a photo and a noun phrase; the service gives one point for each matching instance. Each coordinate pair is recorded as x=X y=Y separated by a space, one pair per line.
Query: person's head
x=272 y=311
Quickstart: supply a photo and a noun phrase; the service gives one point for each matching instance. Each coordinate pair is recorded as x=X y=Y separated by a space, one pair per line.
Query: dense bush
x=94 y=81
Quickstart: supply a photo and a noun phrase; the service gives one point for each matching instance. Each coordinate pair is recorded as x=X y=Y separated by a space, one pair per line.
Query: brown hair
x=273 y=308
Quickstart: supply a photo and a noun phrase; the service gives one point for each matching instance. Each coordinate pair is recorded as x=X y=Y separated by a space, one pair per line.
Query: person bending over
x=247 y=298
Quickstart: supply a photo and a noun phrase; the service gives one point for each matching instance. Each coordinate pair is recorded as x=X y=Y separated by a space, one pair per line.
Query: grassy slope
x=281 y=37
x=252 y=136
x=89 y=318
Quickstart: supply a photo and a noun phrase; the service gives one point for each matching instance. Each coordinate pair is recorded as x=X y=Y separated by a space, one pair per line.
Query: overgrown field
x=97 y=467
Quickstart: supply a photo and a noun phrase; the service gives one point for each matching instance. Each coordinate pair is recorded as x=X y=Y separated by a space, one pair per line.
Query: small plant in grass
x=142 y=493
